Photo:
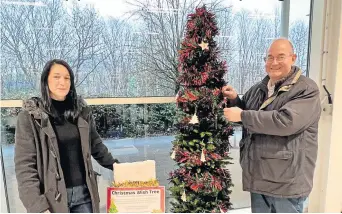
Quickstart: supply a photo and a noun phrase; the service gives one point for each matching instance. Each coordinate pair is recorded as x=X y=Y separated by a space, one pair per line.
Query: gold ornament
x=183 y=196
x=173 y=155
x=204 y=45
x=202 y=156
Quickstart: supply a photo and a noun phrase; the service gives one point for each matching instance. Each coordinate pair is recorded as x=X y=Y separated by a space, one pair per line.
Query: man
x=280 y=118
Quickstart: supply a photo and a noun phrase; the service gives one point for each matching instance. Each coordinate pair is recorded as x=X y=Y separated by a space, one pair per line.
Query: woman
x=55 y=138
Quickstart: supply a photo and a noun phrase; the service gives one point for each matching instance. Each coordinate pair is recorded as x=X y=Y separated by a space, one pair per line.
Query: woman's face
x=59 y=82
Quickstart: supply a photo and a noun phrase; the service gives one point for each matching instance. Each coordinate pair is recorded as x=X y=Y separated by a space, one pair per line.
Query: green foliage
x=8 y=116
x=114 y=121
x=131 y=121
x=162 y=118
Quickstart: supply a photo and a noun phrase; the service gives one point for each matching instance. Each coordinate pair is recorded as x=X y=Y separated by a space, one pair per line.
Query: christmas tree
x=201 y=182
x=112 y=207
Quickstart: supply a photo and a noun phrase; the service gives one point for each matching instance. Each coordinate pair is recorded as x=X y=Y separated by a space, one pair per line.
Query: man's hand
x=232 y=114
x=229 y=92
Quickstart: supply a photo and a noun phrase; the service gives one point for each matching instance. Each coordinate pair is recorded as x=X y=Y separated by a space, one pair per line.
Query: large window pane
x=132 y=133
x=299 y=31
x=132 y=50
x=129 y=49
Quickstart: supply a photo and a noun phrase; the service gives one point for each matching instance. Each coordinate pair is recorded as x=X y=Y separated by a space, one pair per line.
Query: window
x=129 y=50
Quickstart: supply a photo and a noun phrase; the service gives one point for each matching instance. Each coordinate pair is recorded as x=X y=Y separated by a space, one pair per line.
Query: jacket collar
x=288 y=80
x=35 y=107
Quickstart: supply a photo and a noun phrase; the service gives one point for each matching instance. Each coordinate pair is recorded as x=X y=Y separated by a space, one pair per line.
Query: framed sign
x=136 y=199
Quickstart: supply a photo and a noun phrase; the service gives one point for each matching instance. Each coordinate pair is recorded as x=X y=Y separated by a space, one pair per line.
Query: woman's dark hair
x=73 y=107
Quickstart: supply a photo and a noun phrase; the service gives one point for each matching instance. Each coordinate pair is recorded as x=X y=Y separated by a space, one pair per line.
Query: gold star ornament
x=204 y=45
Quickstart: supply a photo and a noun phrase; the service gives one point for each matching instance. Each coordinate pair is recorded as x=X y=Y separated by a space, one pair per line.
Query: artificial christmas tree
x=201 y=182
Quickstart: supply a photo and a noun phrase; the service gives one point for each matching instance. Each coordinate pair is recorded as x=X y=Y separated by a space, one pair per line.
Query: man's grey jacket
x=278 y=149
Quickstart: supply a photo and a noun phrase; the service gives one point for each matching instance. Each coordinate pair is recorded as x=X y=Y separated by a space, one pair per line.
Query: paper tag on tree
x=194 y=119
x=183 y=196
x=173 y=155
x=202 y=156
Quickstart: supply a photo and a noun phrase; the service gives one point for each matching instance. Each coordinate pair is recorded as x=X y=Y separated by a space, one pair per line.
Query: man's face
x=279 y=59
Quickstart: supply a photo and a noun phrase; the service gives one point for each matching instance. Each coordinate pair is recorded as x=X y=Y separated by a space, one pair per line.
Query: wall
x=326 y=55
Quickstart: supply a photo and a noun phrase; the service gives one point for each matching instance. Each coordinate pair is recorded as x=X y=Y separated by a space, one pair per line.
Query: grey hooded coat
x=37 y=161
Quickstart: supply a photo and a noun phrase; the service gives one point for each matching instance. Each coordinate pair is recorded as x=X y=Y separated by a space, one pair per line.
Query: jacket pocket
x=277 y=167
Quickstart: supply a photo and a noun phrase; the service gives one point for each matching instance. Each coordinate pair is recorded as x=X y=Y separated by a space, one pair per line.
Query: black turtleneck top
x=69 y=144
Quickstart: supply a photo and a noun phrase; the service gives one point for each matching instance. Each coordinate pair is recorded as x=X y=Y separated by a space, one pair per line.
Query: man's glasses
x=280 y=58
